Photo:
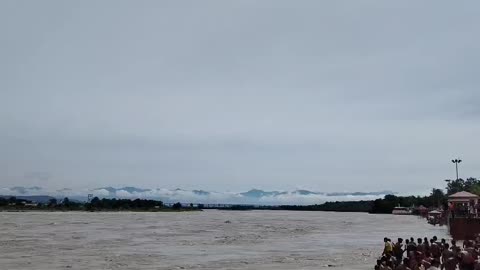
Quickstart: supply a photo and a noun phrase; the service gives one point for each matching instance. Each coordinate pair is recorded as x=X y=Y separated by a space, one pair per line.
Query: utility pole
x=456 y=161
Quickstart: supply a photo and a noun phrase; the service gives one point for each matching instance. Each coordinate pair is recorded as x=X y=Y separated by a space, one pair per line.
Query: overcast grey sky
x=230 y=95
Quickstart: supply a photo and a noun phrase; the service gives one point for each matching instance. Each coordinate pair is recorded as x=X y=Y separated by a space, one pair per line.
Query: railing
x=463 y=213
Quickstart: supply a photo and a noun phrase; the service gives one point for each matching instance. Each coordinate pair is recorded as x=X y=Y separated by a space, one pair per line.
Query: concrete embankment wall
x=464 y=228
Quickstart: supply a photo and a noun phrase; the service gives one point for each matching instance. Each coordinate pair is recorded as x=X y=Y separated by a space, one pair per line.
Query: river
x=212 y=239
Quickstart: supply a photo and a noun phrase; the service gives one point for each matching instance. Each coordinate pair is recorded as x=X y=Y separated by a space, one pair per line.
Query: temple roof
x=464 y=194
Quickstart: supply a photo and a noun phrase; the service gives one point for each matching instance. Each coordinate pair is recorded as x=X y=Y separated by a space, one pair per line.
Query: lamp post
x=456 y=161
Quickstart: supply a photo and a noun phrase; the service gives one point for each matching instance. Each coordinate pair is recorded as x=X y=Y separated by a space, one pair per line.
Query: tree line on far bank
x=96 y=204
x=437 y=198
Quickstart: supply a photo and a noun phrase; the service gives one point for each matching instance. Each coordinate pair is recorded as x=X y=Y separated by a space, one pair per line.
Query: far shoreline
x=171 y=211
x=99 y=211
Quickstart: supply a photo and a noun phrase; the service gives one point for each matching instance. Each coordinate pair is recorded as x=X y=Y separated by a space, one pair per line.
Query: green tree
x=52 y=202
x=455 y=186
x=471 y=185
x=177 y=206
x=438 y=197
x=475 y=189
x=66 y=202
x=385 y=205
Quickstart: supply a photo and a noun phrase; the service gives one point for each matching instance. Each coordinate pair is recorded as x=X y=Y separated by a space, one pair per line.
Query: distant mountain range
x=126 y=189
x=257 y=193
x=253 y=196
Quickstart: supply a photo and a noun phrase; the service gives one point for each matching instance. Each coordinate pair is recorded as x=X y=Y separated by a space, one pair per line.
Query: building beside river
x=463 y=218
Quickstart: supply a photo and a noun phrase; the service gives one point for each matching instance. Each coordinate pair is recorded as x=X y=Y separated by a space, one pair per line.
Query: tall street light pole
x=456 y=161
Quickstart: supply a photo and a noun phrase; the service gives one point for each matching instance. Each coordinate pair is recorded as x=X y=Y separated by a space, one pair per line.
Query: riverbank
x=166 y=210
x=94 y=205
x=379 y=206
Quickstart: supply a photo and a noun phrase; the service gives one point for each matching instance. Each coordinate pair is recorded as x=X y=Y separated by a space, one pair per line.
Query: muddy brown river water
x=200 y=240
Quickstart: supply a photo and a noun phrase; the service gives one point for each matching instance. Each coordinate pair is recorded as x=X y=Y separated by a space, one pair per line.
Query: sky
x=233 y=95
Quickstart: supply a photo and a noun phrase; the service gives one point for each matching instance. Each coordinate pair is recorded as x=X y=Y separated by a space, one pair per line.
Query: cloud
x=18 y=190
x=42 y=176
x=255 y=196
x=101 y=193
x=225 y=96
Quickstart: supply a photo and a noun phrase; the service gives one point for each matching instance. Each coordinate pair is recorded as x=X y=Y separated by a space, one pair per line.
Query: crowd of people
x=471 y=209
x=429 y=254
